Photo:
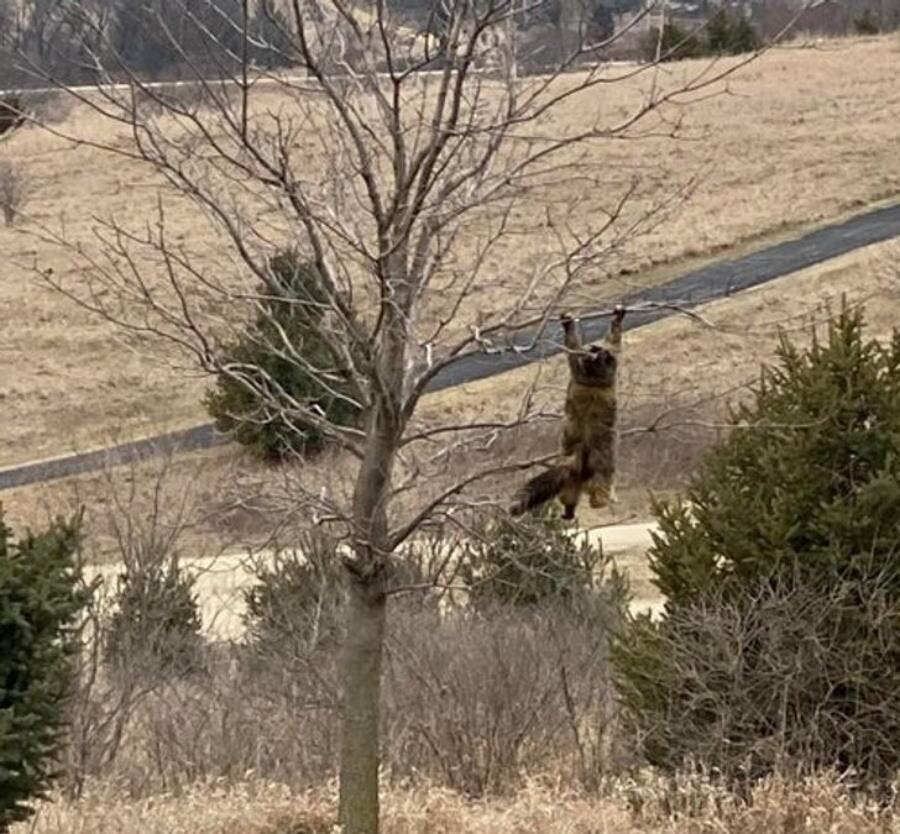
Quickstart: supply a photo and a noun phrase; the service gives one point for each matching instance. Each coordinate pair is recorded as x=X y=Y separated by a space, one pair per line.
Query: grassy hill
x=798 y=137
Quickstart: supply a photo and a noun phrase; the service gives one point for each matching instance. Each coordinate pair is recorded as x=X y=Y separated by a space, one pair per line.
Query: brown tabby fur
x=589 y=432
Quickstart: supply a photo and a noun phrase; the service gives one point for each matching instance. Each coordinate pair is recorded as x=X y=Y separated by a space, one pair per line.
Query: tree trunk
x=364 y=638
x=361 y=673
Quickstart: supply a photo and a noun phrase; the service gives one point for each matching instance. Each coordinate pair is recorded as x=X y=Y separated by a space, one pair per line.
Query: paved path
x=264 y=78
x=628 y=544
x=706 y=284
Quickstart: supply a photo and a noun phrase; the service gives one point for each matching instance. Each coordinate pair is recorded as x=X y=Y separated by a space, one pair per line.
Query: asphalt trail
x=717 y=280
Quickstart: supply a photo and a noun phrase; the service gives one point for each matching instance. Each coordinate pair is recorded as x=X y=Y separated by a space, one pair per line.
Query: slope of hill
x=678 y=377
x=799 y=136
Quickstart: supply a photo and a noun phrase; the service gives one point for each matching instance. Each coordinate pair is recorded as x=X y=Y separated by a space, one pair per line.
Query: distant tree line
x=724 y=33
x=71 y=41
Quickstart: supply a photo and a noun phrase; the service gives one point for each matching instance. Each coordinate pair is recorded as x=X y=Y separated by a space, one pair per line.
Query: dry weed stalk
x=257 y=806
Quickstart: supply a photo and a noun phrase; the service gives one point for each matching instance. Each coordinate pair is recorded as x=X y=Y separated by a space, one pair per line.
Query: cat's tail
x=540 y=489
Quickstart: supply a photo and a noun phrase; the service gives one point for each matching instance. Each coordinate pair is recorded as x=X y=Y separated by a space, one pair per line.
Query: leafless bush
x=172 y=733
x=142 y=620
x=472 y=702
x=48 y=107
x=475 y=702
x=775 y=679
x=474 y=696
x=15 y=189
x=100 y=708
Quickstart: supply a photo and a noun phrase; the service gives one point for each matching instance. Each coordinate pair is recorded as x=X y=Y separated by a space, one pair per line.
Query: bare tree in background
x=413 y=171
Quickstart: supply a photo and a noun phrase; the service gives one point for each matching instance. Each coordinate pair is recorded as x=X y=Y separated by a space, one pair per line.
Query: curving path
x=717 y=280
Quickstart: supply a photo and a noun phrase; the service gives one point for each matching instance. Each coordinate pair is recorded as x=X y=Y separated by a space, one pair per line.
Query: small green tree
x=295 y=605
x=675 y=43
x=780 y=640
x=535 y=560
x=40 y=598
x=866 y=23
x=292 y=307
x=155 y=626
x=730 y=35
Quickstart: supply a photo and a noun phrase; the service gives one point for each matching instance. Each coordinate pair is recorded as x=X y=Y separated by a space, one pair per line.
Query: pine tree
x=780 y=639
x=675 y=43
x=296 y=604
x=729 y=35
x=155 y=629
x=535 y=561
x=294 y=305
x=39 y=602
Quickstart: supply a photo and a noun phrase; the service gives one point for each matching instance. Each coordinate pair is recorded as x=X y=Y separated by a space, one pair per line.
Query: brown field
x=257 y=807
x=681 y=372
x=799 y=137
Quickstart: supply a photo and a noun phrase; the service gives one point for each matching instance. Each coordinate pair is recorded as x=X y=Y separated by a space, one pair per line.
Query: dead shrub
x=142 y=629
x=476 y=702
x=769 y=679
x=167 y=735
x=474 y=699
x=15 y=189
x=99 y=707
x=471 y=702
x=48 y=107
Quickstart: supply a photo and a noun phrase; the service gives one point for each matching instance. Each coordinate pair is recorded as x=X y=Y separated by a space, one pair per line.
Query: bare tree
x=408 y=168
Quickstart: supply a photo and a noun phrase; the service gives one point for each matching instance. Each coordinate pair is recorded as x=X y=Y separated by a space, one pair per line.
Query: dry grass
x=218 y=533
x=803 y=135
x=815 y=806
x=203 y=478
